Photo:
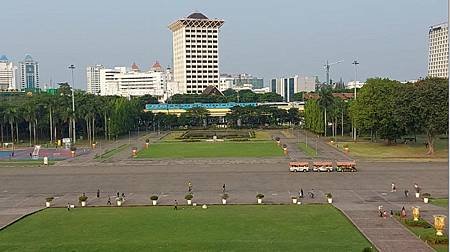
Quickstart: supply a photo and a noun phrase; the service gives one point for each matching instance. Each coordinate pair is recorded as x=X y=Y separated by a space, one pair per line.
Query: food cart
x=323 y=166
x=299 y=166
x=346 y=166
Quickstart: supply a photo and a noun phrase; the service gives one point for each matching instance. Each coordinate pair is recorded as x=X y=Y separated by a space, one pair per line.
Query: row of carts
x=322 y=166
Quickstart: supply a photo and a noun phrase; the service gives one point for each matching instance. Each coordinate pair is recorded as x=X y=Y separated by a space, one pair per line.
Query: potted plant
x=119 y=201
x=147 y=143
x=329 y=197
x=345 y=147
x=154 y=199
x=73 y=150
x=417 y=192
x=259 y=197
x=278 y=140
x=48 y=201
x=224 y=198
x=189 y=197
x=426 y=197
x=82 y=199
x=294 y=199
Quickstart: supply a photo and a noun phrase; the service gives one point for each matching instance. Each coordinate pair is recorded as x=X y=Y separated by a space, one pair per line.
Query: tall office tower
x=195 y=46
x=93 y=79
x=7 y=74
x=287 y=87
x=438 y=51
x=29 y=73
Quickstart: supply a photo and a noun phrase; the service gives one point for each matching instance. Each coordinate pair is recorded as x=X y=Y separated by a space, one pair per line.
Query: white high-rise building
x=93 y=78
x=438 y=51
x=7 y=74
x=195 y=48
x=29 y=73
x=287 y=87
x=108 y=82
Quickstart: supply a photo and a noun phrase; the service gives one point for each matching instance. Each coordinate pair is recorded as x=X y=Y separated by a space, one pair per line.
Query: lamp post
x=72 y=67
x=356 y=63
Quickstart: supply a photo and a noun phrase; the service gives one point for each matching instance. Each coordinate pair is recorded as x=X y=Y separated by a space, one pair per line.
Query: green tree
x=431 y=97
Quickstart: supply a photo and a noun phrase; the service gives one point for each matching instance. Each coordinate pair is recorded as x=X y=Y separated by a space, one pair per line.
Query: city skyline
x=263 y=43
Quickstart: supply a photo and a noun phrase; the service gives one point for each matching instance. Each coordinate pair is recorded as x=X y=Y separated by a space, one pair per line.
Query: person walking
x=98 y=193
x=123 y=196
x=109 y=201
x=223 y=188
x=301 y=193
x=393 y=187
x=68 y=206
x=311 y=194
x=189 y=186
x=118 y=194
x=175 y=206
x=406 y=193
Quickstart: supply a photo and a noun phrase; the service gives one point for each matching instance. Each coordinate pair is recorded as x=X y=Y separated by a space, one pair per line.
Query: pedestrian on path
x=175 y=205
x=223 y=188
x=393 y=187
x=118 y=194
x=311 y=194
x=392 y=213
x=109 y=201
x=123 y=196
x=384 y=214
x=403 y=212
x=68 y=206
x=406 y=193
x=98 y=193
x=189 y=186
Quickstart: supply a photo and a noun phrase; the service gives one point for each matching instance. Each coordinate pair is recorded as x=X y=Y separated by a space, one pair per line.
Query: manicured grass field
x=424 y=233
x=218 y=228
x=439 y=202
x=381 y=150
x=307 y=149
x=211 y=149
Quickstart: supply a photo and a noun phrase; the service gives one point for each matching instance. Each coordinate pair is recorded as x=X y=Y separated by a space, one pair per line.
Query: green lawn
x=218 y=228
x=439 y=202
x=381 y=150
x=109 y=153
x=307 y=149
x=211 y=149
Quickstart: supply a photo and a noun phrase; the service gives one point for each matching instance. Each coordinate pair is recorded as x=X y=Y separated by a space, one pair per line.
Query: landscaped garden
x=217 y=228
x=211 y=149
x=426 y=232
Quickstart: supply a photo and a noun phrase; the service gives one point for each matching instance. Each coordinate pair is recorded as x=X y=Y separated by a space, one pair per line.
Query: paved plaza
x=24 y=189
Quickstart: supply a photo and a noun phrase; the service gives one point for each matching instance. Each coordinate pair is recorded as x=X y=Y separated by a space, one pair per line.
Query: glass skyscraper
x=29 y=73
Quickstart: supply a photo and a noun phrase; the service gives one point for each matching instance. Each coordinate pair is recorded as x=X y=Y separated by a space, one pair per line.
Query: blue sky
x=263 y=38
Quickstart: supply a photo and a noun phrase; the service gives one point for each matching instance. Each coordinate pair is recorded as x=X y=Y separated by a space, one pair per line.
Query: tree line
x=384 y=109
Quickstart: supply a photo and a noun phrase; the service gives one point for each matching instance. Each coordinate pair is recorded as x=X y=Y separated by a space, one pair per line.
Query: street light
x=72 y=67
x=356 y=63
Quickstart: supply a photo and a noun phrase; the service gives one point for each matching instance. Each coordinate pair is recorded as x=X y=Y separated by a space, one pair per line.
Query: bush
x=437 y=239
x=426 y=195
x=119 y=199
x=73 y=148
x=328 y=195
x=188 y=197
x=419 y=223
x=284 y=146
x=49 y=199
x=154 y=197
x=367 y=249
x=239 y=139
x=225 y=196
x=293 y=197
x=259 y=196
x=82 y=198
x=345 y=146
x=191 y=140
x=147 y=140
x=277 y=138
